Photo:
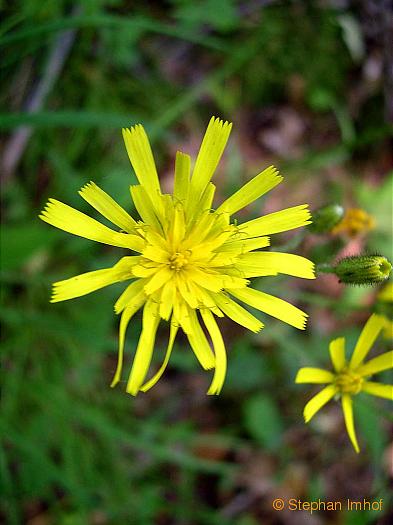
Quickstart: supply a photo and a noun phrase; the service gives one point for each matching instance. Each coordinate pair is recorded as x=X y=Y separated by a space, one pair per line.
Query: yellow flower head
x=349 y=377
x=355 y=221
x=192 y=261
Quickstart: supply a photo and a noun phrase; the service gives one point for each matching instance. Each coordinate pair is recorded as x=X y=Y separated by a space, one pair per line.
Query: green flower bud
x=363 y=269
x=324 y=219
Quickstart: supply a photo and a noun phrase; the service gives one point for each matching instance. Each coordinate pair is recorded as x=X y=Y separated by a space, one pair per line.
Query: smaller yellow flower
x=349 y=377
x=355 y=221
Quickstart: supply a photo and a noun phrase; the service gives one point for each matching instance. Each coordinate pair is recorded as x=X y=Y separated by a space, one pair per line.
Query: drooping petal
x=210 y=152
x=255 y=188
x=182 y=176
x=167 y=299
x=378 y=364
x=180 y=312
x=73 y=221
x=184 y=289
x=197 y=339
x=366 y=339
x=346 y=402
x=279 y=221
x=318 y=401
x=144 y=351
x=88 y=282
x=219 y=350
x=337 y=353
x=204 y=298
x=378 y=389
x=314 y=375
x=126 y=316
x=158 y=374
x=142 y=160
x=272 y=306
x=237 y=313
x=279 y=262
x=108 y=207
x=129 y=295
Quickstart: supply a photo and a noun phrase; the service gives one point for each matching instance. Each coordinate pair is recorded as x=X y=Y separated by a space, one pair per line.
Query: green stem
x=324 y=268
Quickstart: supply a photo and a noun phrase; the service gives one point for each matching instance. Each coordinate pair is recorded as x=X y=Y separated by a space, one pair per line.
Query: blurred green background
x=307 y=87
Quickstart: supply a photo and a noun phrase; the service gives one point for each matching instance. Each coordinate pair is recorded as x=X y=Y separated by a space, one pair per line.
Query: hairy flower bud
x=363 y=269
x=325 y=218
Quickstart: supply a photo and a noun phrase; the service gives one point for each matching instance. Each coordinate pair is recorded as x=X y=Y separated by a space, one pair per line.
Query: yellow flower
x=355 y=221
x=192 y=261
x=349 y=377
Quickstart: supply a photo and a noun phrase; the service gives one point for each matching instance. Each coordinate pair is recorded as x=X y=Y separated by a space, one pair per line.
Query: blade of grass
x=113 y=22
x=66 y=118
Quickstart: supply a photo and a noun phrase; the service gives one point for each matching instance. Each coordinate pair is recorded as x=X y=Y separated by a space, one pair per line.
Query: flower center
x=348 y=382
x=177 y=261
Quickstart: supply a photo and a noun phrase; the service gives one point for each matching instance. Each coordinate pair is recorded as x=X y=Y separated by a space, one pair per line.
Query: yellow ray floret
x=369 y=334
x=337 y=353
x=182 y=177
x=210 y=152
x=272 y=305
x=258 y=186
x=92 y=281
x=279 y=221
x=144 y=351
x=188 y=262
x=73 y=221
x=258 y=263
x=137 y=301
x=108 y=207
x=149 y=384
x=141 y=158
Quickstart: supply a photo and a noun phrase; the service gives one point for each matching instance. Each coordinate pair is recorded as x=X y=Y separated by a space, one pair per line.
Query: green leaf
x=368 y=420
x=263 y=421
x=246 y=369
x=20 y=242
